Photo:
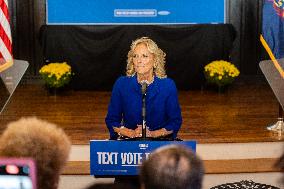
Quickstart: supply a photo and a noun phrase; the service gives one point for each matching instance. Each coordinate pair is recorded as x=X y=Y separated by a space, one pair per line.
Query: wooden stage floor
x=239 y=115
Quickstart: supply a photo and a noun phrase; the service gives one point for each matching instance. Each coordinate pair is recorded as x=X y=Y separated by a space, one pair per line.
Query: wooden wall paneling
x=245 y=15
x=234 y=17
x=21 y=29
x=13 y=19
x=26 y=18
x=39 y=20
x=250 y=46
x=24 y=32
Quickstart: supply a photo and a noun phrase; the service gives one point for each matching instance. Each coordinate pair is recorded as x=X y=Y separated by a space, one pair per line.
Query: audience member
x=46 y=143
x=172 y=167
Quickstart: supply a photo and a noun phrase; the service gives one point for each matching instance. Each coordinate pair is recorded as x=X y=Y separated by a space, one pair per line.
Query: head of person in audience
x=40 y=140
x=145 y=58
x=172 y=167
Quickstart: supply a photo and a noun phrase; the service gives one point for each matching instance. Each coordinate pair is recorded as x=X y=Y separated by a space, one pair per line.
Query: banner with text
x=135 y=12
x=109 y=158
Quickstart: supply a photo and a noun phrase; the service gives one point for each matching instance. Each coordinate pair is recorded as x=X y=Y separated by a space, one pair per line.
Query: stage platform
x=240 y=114
x=229 y=127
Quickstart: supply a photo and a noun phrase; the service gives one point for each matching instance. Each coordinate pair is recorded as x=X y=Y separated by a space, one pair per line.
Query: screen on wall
x=101 y=12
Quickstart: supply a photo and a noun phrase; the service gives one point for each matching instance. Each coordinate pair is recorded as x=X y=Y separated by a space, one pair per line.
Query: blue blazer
x=162 y=107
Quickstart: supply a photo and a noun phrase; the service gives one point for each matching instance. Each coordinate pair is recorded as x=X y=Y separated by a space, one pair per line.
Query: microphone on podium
x=144 y=85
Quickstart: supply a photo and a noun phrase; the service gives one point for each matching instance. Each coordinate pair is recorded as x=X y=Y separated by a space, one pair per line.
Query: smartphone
x=17 y=173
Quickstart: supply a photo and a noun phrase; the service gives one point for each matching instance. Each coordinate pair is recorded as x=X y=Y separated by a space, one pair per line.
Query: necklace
x=146 y=81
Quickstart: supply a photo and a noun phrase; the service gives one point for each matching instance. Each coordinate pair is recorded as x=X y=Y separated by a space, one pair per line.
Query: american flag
x=6 y=58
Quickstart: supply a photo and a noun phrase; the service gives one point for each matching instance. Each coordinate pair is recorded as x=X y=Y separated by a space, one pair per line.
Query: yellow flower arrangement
x=56 y=74
x=220 y=72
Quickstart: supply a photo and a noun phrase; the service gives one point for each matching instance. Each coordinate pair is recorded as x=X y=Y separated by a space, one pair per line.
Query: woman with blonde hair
x=145 y=64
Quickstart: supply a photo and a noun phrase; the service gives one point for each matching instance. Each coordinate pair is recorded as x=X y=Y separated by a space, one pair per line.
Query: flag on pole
x=6 y=58
x=272 y=37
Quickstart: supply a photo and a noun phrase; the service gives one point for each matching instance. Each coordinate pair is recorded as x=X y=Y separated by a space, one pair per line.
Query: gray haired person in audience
x=172 y=167
x=46 y=143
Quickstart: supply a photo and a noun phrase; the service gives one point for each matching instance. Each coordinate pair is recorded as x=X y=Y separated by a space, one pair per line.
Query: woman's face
x=143 y=60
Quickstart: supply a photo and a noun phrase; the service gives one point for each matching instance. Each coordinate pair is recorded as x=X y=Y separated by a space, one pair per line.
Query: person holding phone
x=17 y=173
x=40 y=140
x=145 y=64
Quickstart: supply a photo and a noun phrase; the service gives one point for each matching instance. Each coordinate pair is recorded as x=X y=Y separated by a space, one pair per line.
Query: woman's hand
x=123 y=131
x=127 y=132
x=157 y=133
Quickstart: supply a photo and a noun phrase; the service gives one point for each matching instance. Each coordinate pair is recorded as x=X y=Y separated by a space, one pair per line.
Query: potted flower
x=220 y=73
x=56 y=75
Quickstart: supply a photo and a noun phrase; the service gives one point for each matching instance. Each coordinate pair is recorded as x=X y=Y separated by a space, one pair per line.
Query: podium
x=111 y=158
x=9 y=80
x=275 y=76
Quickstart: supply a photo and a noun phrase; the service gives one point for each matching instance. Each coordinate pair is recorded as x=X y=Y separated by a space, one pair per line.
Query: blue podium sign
x=135 y=11
x=113 y=158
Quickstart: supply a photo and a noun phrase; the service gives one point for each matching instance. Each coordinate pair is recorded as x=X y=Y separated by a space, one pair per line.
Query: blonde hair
x=159 y=57
x=46 y=143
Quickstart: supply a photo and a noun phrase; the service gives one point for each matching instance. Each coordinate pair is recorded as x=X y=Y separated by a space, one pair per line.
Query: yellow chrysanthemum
x=56 y=74
x=221 y=72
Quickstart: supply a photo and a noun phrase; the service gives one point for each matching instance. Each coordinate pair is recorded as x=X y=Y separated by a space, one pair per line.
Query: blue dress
x=162 y=107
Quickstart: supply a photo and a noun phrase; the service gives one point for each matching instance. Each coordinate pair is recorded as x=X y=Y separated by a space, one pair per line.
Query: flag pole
x=279 y=125
x=272 y=57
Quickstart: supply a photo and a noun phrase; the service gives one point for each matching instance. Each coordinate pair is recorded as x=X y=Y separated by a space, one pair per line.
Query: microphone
x=144 y=86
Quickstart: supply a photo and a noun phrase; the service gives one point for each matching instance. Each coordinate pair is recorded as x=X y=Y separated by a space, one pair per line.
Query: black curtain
x=98 y=54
